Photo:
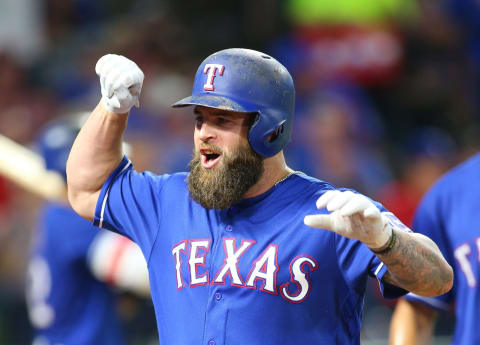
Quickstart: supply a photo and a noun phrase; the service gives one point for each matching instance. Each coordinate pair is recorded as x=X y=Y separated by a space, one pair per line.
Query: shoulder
x=305 y=182
x=159 y=180
x=303 y=188
x=458 y=178
x=176 y=180
x=314 y=188
x=317 y=187
x=452 y=191
x=463 y=172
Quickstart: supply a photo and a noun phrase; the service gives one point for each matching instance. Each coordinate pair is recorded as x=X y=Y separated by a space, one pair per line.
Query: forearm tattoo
x=416 y=264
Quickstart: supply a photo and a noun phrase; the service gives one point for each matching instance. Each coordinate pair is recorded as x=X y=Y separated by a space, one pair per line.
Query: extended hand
x=121 y=83
x=353 y=216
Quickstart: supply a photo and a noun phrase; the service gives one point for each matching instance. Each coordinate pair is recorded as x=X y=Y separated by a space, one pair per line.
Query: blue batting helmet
x=245 y=80
x=56 y=139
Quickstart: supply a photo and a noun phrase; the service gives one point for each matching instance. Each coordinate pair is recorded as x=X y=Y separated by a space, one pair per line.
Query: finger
x=322 y=221
x=114 y=102
x=133 y=77
x=135 y=89
x=103 y=62
x=137 y=75
x=112 y=81
x=140 y=76
x=114 y=67
x=339 y=200
x=126 y=79
x=325 y=198
x=356 y=204
x=102 y=85
x=371 y=212
x=100 y=63
x=122 y=94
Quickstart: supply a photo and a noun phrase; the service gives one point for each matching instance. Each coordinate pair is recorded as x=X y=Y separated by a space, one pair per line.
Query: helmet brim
x=212 y=101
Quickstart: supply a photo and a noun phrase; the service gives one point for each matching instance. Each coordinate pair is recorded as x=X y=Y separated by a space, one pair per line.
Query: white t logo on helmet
x=211 y=69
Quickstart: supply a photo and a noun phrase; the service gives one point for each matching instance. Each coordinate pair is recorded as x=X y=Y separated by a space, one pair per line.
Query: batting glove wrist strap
x=388 y=246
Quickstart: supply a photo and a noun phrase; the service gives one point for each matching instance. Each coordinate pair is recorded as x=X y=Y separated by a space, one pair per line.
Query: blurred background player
x=449 y=215
x=73 y=266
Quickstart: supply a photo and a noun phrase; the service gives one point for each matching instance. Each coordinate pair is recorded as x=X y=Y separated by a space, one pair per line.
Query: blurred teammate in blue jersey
x=232 y=252
x=449 y=215
x=73 y=265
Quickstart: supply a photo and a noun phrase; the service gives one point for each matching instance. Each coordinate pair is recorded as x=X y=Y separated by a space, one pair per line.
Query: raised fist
x=121 y=83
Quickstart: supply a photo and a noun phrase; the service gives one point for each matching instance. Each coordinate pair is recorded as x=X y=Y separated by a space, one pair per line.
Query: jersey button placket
x=214 y=331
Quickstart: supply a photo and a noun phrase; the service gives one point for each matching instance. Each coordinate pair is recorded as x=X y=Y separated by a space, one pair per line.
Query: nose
x=205 y=131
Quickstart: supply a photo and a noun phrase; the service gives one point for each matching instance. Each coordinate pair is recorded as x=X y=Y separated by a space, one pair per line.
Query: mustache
x=212 y=147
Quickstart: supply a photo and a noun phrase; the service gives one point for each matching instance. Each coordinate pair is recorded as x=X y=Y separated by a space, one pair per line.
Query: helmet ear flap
x=268 y=142
x=276 y=133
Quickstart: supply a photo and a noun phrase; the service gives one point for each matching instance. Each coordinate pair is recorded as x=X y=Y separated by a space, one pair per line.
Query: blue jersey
x=448 y=214
x=67 y=305
x=250 y=274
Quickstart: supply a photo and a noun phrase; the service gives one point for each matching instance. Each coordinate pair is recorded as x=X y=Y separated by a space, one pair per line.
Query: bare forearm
x=96 y=152
x=416 y=264
x=411 y=324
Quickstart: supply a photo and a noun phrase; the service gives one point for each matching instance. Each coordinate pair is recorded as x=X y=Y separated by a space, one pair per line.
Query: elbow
x=441 y=275
x=82 y=201
x=81 y=195
x=441 y=284
x=80 y=204
x=74 y=201
x=447 y=278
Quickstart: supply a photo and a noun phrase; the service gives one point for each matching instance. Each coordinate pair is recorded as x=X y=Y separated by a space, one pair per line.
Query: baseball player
x=448 y=215
x=232 y=252
x=73 y=266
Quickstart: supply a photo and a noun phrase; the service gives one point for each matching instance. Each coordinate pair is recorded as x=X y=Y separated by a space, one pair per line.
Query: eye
x=222 y=121
x=199 y=121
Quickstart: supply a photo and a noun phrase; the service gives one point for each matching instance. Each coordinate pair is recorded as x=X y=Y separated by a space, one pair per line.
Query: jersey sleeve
x=429 y=221
x=355 y=258
x=129 y=204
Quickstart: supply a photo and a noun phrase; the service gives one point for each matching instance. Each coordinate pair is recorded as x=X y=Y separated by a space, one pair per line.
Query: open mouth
x=209 y=158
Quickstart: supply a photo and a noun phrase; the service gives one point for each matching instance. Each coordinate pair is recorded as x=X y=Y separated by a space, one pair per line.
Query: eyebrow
x=215 y=112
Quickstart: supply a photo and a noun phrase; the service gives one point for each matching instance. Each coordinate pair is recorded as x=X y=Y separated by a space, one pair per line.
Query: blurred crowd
x=387 y=97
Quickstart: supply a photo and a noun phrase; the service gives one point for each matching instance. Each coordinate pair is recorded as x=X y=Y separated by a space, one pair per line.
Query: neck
x=275 y=169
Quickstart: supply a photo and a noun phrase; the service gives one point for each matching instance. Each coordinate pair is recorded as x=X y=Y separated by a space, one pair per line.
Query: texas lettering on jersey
x=264 y=268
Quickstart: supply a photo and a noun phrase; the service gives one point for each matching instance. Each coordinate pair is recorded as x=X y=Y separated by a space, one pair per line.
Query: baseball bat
x=27 y=169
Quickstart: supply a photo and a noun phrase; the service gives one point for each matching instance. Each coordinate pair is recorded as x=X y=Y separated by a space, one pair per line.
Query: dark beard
x=226 y=184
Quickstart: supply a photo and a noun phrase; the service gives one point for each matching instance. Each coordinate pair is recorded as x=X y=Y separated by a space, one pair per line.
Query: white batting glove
x=121 y=83
x=353 y=216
